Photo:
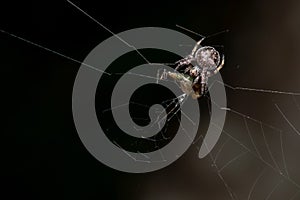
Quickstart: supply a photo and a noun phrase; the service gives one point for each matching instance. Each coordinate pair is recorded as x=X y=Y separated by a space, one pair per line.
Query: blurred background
x=256 y=156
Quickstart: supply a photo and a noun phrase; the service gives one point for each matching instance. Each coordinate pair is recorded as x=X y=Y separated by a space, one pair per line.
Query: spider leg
x=198 y=44
x=187 y=60
x=184 y=62
x=220 y=66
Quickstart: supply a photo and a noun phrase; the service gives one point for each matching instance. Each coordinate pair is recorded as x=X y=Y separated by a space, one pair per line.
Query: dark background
x=43 y=157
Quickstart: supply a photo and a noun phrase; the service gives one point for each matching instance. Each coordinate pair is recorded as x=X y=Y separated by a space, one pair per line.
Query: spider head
x=195 y=71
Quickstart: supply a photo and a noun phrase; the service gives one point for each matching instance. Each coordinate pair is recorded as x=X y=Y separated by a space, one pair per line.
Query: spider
x=193 y=71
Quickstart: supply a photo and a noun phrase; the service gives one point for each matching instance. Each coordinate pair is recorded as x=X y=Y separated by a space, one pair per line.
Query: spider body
x=193 y=71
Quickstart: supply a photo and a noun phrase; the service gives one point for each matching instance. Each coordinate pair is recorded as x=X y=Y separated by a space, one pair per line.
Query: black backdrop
x=43 y=156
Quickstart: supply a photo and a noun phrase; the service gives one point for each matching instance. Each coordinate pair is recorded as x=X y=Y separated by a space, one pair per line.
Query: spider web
x=268 y=147
x=269 y=153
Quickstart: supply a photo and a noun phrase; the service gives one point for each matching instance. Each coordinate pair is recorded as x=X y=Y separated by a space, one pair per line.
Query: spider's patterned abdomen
x=207 y=58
